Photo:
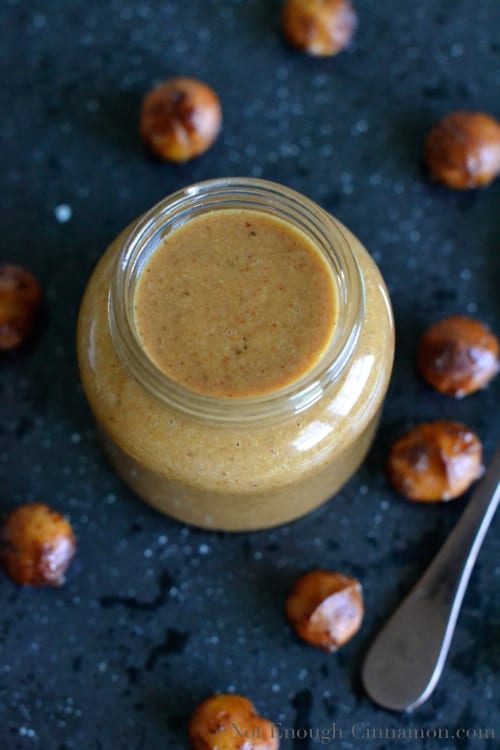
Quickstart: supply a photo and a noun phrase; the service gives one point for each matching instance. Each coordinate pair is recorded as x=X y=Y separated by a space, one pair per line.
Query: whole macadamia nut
x=435 y=461
x=458 y=355
x=230 y=722
x=36 y=545
x=462 y=150
x=325 y=608
x=318 y=27
x=20 y=298
x=180 y=118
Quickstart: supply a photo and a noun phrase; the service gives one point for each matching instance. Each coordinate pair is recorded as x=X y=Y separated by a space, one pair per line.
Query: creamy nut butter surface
x=235 y=345
x=235 y=303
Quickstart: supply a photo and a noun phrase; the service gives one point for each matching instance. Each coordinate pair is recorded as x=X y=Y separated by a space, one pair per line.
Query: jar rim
x=261 y=195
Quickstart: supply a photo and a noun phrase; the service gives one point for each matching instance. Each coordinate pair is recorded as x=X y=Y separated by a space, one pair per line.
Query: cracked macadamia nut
x=325 y=608
x=230 y=722
x=20 y=298
x=435 y=461
x=462 y=150
x=180 y=118
x=319 y=27
x=458 y=355
x=36 y=545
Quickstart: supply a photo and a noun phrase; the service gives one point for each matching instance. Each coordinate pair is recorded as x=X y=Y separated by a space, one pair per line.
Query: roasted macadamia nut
x=325 y=608
x=458 y=355
x=36 y=545
x=230 y=722
x=20 y=298
x=319 y=27
x=180 y=118
x=462 y=150
x=435 y=461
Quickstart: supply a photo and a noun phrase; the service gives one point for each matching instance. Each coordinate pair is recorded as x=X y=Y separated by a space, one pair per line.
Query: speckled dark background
x=155 y=616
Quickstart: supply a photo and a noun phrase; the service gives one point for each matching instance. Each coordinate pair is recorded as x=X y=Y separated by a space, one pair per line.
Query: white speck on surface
x=148 y=553
x=471 y=307
x=143 y=11
x=457 y=50
x=465 y=274
x=102 y=667
x=204 y=34
x=126 y=13
x=319 y=80
x=289 y=149
x=359 y=127
x=75 y=438
x=302 y=674
x=27 y=732
x=203 y=549
x=385 y=505
x=63 y=213
x=233 y=156
x=87 y=40
x=275 y=687
x=39 y=21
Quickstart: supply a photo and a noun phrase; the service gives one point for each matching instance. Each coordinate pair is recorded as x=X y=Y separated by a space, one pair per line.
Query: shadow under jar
x=243 y=408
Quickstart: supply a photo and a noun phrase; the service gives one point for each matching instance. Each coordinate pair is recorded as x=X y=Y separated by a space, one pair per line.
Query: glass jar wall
x=240 y=463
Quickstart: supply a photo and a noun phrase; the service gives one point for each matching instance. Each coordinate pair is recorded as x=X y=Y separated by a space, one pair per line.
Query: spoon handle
x=406 y=659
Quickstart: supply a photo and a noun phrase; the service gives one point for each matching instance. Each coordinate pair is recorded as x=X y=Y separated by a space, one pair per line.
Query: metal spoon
x=405 y=661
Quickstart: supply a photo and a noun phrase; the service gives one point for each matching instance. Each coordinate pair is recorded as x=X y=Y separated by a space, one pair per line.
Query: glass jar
x=240 y=463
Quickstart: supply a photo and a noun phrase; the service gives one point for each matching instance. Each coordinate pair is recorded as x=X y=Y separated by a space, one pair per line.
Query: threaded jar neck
x=264 y=197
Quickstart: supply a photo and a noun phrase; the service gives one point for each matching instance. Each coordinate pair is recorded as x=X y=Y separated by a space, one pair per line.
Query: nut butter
x=235 y=345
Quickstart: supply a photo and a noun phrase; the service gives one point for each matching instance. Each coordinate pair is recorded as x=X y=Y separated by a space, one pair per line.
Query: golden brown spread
x=235 y=303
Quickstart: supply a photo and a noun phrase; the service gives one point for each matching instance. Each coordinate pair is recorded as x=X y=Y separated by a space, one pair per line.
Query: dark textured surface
x=154 y=616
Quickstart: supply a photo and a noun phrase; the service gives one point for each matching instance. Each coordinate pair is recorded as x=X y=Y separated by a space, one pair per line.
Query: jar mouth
x=264 y=196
